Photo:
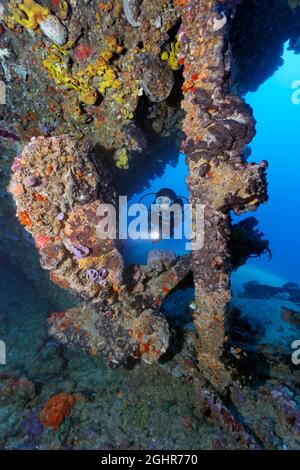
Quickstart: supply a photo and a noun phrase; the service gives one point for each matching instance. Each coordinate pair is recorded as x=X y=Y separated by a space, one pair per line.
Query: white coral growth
x=54 y=30
x=130 y=8
x=219 y=24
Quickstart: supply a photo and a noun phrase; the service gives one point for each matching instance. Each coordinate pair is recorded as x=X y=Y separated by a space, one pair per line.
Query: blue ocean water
x=277 y=140
x=174 y=176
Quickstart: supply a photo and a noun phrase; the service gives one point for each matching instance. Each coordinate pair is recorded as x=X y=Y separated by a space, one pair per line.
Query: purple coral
x=32 y=425
x=103 y=273
x=31 y=181
x=99 y=276
x=60 y=216
x=80 y=251
x=136 y=273
x=17 y=163
x=9 y=135
x=93 y=274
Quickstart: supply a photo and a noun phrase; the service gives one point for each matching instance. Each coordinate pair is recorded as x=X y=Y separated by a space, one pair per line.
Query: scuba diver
x=169 y=211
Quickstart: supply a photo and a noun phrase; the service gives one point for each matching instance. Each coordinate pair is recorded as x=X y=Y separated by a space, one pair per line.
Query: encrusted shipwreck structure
x=218 y=125
x=58 y=189
x=113 y=76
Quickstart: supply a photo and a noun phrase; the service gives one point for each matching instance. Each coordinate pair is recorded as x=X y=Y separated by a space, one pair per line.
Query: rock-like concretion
x=59 y=209
x=54 y=30
x=217 y=125
x=58 y=189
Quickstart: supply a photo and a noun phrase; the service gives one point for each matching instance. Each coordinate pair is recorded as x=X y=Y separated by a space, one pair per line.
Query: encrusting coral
x=102 y=74
x=59 y=208
x=56 y=65
x=103 y=81
x=58 y=186
x=27 y=13
x=32 y=15
x=172 y=55
x=217 y=126
x=58 y=189
x=56 y=410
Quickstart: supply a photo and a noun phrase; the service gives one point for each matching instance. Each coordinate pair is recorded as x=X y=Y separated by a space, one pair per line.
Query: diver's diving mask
x=163 y=202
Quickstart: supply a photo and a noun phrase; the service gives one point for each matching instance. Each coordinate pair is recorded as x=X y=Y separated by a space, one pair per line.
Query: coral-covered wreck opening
x=153 y=67
x=99 y=99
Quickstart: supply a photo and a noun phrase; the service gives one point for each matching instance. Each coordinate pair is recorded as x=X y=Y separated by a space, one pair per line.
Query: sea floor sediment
x=144 y=407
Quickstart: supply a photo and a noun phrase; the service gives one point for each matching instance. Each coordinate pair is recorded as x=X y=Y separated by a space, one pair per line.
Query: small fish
x=193 y=305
